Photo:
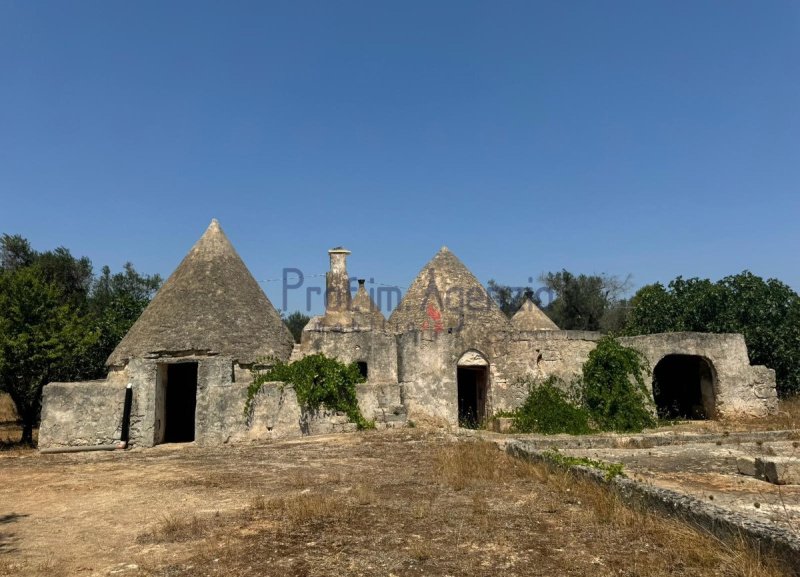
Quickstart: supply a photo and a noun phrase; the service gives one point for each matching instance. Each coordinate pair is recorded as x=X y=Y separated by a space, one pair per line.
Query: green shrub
x=614 y=390
x=551 y=408
x=318 y=381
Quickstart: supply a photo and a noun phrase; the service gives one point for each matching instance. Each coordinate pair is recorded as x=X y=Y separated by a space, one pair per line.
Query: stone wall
x=376 y=348
x=739 y=388
x=81 y=414
x=427 y=369
x=90 y=413
x=412 y=375
x=538 y=354
x=427 y=366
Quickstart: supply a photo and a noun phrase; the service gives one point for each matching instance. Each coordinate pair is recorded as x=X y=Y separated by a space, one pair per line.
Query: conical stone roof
x=365 y=311
x=446 y=295
x=211 y=304
x=531 y=318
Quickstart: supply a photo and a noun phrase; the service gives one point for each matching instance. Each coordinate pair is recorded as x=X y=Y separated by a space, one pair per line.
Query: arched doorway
x=472 y=378
x=683 y=387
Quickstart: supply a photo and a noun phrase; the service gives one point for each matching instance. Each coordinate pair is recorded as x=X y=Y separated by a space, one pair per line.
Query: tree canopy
x=510 y=299
x=58 y=322
x=296 y=323
x=586 y=302
x=766 y=312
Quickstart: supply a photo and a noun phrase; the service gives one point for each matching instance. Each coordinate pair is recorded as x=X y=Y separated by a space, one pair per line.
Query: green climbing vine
x=318 y=381
x=614 y=389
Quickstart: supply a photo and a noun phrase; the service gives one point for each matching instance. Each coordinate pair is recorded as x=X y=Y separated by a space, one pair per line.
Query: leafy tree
x=57 y=322
x=116 y=302
x=41 y=340
x=510 y=299
x=296 y=323
x=766 y=312
x=15 y=252
x=71 y=276
x=614 y=389
x=652 y=310
x=586 y=302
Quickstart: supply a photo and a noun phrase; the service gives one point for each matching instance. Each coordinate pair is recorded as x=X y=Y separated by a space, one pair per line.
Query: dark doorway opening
x=180 y=401
x=472 y=383
x=683 y=388
x=362 y=368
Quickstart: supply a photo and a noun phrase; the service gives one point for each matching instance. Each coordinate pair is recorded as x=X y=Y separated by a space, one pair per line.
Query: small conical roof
x=365 y=311
x=530 y=317
x=446 y=295
x=211 y=304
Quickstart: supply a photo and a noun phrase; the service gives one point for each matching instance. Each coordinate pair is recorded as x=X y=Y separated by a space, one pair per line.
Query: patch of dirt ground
x=404 y=502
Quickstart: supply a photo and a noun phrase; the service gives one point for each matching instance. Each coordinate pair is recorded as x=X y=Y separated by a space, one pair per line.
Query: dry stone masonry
x=446 y=354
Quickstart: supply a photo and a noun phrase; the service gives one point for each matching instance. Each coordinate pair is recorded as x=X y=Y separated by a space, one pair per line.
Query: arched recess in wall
x=684 y=387
x=472 y=384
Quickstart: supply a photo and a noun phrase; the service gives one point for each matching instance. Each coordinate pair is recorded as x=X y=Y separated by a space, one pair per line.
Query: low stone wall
x=725 y=524
x=382 y=403
x=90 y=413
x=81 y=414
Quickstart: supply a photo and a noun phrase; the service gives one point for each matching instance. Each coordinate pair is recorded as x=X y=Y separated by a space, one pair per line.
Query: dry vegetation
x=787 y=418
x=476 y=519
x=381 y=503
x=9 y=428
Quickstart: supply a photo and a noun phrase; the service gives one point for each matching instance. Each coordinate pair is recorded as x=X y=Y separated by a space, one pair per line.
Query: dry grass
x=47 y=566
x=305 y=508
x=479 y=462
x=476 y=463
x=406 y=503
x=788 y=416
x=691 y=546
x=8 y=411
x=175 y=528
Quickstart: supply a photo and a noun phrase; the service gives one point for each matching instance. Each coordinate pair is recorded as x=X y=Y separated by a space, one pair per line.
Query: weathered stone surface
x=502 y=424
x=728 y=524
x=472 y=359
x=531 y=318
x=211 y=304
x=737 y=388
x=90 y=413
x=781 y=470
x=751 y=466
x=212 y=312
x=444 y=297
x=377 y=349
x=87 y=413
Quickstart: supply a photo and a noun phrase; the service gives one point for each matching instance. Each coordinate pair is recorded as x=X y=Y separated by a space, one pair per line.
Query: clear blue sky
x=652 y=138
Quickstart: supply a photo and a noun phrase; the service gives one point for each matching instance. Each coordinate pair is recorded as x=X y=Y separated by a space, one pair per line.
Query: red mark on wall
x=435 y=316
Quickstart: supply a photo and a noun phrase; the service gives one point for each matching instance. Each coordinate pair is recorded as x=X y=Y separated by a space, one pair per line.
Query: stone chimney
x=337 y=283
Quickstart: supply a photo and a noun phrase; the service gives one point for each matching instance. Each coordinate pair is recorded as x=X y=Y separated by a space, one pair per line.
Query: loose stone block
x=782 y=470
x=752 y=466
x=502 y=424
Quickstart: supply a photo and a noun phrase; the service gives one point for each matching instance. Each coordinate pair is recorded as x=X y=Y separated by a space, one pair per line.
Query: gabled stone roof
x=211 y=304
x=531 y=318
x=446 y=295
